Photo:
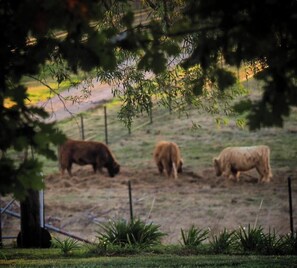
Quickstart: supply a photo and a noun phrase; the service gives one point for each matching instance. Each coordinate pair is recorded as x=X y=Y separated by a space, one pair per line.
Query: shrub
x=66 y=246
x=134 y=233
x=194 y=236
x=250 y=239
x=2 y=256
x=290 y=243
x=223 y=242
x=272 y=243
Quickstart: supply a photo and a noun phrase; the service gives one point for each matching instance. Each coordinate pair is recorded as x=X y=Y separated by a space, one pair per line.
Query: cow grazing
x=92 y=153
x=232 y=160
x=167 y=156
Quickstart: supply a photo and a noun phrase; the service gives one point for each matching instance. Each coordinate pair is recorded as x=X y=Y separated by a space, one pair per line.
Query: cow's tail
x=173 y=161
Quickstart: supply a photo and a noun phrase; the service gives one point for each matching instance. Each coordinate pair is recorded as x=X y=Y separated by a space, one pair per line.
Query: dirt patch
x=78 y=204
x=197 y=197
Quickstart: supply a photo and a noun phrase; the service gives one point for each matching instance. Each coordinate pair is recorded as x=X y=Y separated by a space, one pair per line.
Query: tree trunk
x=0 y=224
x=30 y=221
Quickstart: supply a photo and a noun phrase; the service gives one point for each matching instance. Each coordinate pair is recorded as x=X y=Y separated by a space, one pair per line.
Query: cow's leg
x=261 y=172
x=228 y=172
x=160 y=167
x=94 y=167
x=69 y=166
x=167 y=168
x=63 y=164
x=62 y=171
x=236 y=175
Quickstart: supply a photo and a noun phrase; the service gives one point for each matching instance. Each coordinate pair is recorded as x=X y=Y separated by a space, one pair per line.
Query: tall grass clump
x=250 y=239
x=194 y=236
x=272 y=244
x=66 y=246
x=290 y=243
x=223 y=242
x=130 y=233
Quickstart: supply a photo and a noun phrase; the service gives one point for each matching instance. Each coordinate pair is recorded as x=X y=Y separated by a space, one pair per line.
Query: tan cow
x=232 y=160
x=167 y=157
x=92 y=153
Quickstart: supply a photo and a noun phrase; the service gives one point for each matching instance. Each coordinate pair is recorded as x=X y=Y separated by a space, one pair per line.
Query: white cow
x=232 y=160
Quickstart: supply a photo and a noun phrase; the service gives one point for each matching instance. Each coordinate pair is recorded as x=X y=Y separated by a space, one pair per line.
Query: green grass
x=53 y=258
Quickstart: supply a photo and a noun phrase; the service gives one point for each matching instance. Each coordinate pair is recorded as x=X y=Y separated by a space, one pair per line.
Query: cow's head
x=180 y=166
x=113 y=169
x=216 y=164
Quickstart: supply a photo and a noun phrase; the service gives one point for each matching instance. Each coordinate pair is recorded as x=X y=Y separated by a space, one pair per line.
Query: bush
x=272 y=244
x=136 y=233
x=223 y=242
x=194 y=236
x=250 y=239
x=290 y=243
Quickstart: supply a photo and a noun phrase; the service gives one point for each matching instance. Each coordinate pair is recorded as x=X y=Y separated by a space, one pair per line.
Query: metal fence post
x=290 y=206
x=105 y=125
x=82 y=127
x=130 y=201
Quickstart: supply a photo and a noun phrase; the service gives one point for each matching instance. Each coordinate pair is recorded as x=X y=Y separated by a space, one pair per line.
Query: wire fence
x=103 y=124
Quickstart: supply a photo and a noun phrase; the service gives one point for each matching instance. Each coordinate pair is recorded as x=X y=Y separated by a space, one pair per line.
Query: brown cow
x=232 y=160
x=92 y=153
x=167 y=156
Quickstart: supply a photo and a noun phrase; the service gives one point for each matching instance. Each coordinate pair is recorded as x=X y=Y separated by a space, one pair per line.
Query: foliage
x=57 y=33
x=223 y=242
x=250 y=238
x=2 y=256
x=66 y=246
x=236 y=33
x=179 y=50
x=273 y=244
x=135 y=233
x=205 y=39
x=193 y=237
x=290 y=243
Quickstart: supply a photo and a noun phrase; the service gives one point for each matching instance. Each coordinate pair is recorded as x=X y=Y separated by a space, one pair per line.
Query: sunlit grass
x=38 y=91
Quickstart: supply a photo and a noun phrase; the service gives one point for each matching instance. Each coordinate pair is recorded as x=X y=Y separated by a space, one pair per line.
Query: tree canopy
x=179 y=51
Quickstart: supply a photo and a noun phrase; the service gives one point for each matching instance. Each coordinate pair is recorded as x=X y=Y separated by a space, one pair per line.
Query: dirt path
x=61 y=106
